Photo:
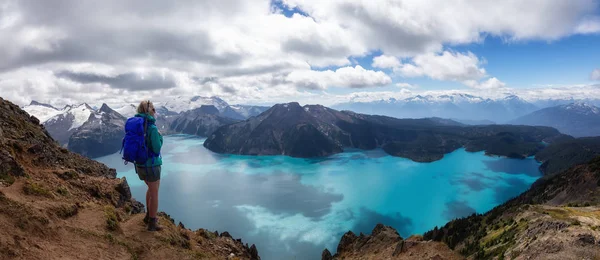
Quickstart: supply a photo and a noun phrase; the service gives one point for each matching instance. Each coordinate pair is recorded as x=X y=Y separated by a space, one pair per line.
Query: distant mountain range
x=97 y=132
x=576 y=119
x=456 y=106
x=316 y=131
x=60 y=123
x=204 y=115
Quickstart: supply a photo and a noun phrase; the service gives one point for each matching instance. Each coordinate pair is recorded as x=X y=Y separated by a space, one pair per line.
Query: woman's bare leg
x=148 y=197
x=153 y=204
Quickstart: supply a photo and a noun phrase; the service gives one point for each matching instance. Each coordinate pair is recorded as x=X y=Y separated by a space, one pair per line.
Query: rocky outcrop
x=55 y=204
x=100 y=135
x=313 y=131
x=384 y=242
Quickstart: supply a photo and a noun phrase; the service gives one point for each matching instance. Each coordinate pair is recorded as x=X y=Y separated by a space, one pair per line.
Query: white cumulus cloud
x=447 y=65
x=385 y=62
x=491 y=83
x=352 y=77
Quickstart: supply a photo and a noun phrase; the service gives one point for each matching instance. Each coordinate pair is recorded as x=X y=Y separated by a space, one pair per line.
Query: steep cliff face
x=55 y=204
x=100 y=135
x=312 y=131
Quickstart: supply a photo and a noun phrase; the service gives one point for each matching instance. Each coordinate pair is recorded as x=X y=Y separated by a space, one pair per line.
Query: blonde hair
x=145 y=107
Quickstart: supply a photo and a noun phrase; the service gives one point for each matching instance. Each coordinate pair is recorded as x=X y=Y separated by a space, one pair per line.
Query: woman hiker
x=150 y=171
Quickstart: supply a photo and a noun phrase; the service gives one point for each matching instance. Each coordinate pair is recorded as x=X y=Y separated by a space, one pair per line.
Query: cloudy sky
x=266 y=51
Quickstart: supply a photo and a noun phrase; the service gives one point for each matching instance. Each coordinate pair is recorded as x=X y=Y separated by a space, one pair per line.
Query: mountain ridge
x=577 y=119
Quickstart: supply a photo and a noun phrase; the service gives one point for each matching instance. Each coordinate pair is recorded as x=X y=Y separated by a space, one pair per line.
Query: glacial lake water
x=293 y=208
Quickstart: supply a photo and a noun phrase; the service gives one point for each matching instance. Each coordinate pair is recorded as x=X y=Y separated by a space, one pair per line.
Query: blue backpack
x=134 y=147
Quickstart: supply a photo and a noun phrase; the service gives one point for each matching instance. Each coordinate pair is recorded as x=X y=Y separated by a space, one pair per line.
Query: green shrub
x=7 y=178
x=31 y=188
x=65 y=211
x=112 y=221
x=62 y=191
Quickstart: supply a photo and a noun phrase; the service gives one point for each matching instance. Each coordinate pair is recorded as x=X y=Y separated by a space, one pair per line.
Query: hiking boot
x=147 y=219
x=153 y=225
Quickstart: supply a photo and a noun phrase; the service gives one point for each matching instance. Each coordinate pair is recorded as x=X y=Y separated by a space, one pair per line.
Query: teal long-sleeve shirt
x=154 y=142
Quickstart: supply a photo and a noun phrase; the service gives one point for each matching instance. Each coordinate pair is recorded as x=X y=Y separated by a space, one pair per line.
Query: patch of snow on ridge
x=81 y=114
x=127 y=110
x=42 y=113
x=583 y=108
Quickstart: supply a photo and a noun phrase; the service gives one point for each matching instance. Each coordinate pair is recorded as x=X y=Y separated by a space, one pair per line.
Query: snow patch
x=43 y=113
x=181 y=104
x=127 y=110
x=81 y=114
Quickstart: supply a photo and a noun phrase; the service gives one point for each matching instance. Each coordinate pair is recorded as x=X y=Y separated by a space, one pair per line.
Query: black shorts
x=149 y=174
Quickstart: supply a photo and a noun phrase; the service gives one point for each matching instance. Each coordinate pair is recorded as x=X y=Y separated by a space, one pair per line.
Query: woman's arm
x=156 y=139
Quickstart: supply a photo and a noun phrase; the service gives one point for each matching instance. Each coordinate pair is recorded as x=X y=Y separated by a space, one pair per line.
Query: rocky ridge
x=384 y=242
x=58 y=204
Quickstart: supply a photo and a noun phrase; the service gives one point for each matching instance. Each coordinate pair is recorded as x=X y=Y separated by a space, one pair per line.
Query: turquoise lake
x=293 y=208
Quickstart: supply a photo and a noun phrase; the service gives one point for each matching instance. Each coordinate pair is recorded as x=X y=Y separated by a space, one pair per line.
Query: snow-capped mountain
x=181 y=104
x=516 y=105
x=457 y=106
x=41 y=111
x=100 y=135
x=576 y=119
x=543 y=103
x=62 y=125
